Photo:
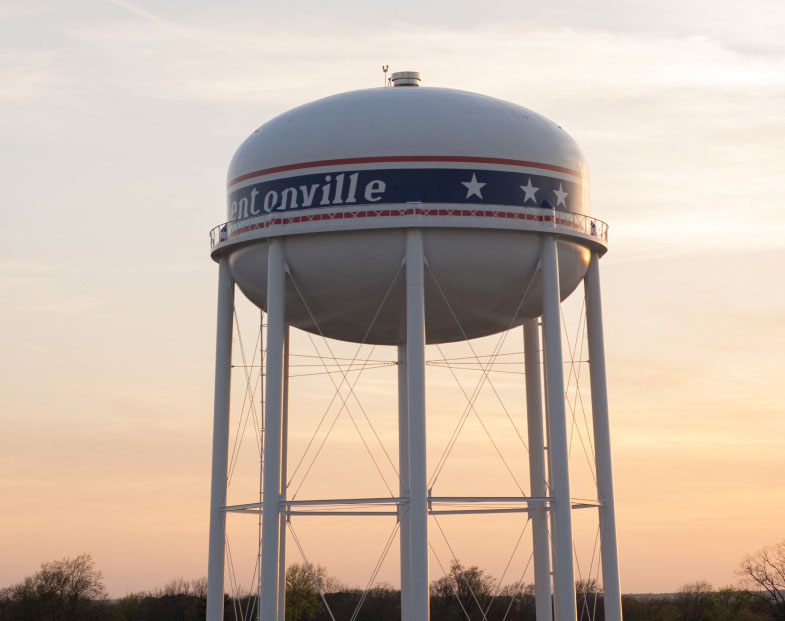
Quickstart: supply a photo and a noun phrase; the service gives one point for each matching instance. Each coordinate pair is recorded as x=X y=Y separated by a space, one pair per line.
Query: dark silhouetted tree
x=764 y=572
x=588 y=599
x=463 y=593
x=70 y=589
x=694 y=601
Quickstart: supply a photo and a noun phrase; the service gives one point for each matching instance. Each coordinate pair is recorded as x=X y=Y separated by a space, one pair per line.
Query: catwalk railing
x=538 y=219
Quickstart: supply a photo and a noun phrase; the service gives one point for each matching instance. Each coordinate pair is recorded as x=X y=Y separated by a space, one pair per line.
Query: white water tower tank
x=343 y=178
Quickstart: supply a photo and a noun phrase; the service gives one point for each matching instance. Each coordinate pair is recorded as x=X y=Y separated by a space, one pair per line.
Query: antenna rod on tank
x=384 y=69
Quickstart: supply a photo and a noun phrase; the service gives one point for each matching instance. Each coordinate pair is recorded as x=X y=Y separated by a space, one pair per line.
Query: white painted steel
x=537 y=471
x=561 y=510
x=223 y=378
x=415 y=366
x=403 y=468
x=362 y=131
x=406 y=78
x=602 y=442
x=276 y=328
x=476 y=511
x=437 y=121
x=316 y=503
x=583 y=228
x=262 y=401
x=346 y=259
x=284 y=475
x=432 y=500
x=345 y=275
x=344 y=513
x=342 y=501
x=503 y=499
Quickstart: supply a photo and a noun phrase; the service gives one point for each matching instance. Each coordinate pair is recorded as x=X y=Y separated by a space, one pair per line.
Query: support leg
x=271 y=524
x=602 y=442
x=403 y=466
x=537 y=473
x=284 y=476
x=418 y=492
x=223 y=369
x=564 y=575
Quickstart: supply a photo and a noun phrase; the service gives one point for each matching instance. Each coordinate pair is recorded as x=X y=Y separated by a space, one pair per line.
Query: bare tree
x=62 y=590
x=764 y=572
x=180 y=586
x=588 y=595
x=470 y=588
x=694 y=601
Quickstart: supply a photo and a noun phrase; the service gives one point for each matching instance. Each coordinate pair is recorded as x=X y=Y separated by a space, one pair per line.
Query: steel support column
x=602 y=442
x=271 y=524
x=284 y=476
x=403 y=467
x=561 y=509
x=415 y=367
x=223 y=375
x=537 y=471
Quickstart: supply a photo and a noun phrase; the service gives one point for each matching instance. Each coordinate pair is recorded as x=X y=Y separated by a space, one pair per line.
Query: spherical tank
x=341 y=180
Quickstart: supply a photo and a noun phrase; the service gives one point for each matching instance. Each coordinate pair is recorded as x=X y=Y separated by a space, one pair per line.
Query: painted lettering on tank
x=308 y=193
x=334 y=190
x=397 y=186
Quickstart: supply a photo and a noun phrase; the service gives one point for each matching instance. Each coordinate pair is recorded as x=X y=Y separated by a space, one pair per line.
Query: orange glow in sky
x=118 y=122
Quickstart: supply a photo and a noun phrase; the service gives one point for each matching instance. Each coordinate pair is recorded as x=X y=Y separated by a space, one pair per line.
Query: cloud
x=560 y=59
x=178 y=30
x=25 y=74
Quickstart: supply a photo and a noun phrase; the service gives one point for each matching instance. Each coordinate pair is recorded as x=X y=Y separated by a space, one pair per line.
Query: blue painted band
x=395 y=186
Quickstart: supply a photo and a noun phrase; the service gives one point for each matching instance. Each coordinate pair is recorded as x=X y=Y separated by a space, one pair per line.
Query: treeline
x=468 y=594
x=73 y=590
x=699 y=602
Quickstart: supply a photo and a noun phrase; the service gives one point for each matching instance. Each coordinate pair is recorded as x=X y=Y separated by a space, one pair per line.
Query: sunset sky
x=117 y=123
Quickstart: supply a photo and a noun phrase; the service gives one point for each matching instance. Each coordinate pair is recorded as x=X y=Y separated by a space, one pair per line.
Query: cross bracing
x=345 y=372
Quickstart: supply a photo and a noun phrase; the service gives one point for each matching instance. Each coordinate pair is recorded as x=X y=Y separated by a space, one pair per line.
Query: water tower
x=403 y=216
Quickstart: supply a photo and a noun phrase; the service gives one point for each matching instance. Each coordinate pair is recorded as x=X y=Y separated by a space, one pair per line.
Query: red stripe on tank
x=405 y=158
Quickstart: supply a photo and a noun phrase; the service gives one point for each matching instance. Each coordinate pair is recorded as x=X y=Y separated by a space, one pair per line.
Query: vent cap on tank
x=406 y=78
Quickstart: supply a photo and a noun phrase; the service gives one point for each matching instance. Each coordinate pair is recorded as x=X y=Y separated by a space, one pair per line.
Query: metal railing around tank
x=580 y=223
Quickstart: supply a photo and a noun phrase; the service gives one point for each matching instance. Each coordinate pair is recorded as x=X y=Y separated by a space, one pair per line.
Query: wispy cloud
x=179 y=30
x=559 y=61
x=35 y=348
x=25 y=74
